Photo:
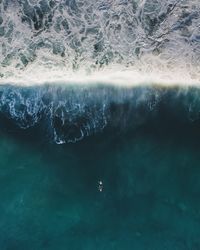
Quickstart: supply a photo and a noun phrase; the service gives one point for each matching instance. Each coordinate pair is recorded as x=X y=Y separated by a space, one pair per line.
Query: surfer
x=100 y=186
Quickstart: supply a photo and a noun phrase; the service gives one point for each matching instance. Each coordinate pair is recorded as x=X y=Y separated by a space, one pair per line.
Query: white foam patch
x=111 y=76
x=159 y=38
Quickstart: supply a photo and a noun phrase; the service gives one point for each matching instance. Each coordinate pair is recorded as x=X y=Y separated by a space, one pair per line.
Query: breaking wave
x=60 y=37
x=70 y=113
x=127 y=49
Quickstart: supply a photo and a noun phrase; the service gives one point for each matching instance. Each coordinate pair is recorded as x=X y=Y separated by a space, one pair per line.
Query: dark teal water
x=150 y=199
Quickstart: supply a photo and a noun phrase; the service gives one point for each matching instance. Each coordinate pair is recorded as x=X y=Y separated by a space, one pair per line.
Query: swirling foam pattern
x=38 y=36
x=70 y=113
x=88 y=35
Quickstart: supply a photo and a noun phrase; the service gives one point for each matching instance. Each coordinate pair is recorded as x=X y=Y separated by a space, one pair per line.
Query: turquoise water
x=150 y=199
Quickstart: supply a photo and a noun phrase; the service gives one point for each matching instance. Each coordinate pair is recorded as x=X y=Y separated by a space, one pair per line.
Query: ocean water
x=50 y=197
x=99 y=125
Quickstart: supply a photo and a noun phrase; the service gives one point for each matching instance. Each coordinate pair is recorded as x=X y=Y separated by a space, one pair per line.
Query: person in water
x=100 y=186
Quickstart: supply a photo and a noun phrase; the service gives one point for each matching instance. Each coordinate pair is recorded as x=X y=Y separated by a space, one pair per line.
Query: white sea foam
x=117 y=42
x=111 y=76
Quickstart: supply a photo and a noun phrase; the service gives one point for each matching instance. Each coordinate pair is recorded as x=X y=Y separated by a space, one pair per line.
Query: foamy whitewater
x=67 y=39
x=64 y=64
